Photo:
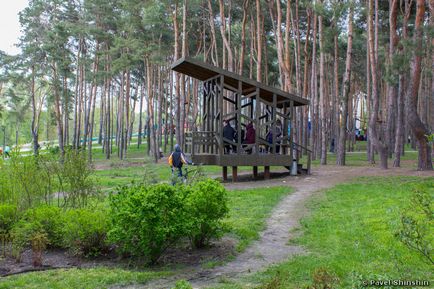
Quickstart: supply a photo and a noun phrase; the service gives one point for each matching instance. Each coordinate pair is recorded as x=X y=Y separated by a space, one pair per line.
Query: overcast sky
x=10 y=25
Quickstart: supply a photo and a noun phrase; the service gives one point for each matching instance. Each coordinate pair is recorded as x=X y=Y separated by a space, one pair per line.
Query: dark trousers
x=177 y=171
x=227 y=148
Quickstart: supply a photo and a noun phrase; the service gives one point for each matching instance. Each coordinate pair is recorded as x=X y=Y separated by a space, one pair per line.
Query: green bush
x=8 y=216
x=182 y=284
x=82 y=231
x=44 y=220
x=77 y=179
x=50 y=218
x=417 y=224
x=206 y=206
x=85 y=231
x=22 y=234
x=146 y=220
x=29 y=181
x=25 y=182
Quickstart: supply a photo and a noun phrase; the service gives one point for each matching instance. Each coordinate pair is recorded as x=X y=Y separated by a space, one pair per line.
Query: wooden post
x=238 y=108
x=234 y=174
x=220 y=112
x=256 y=122
x=225 y=173
x=255 y=172
x=291 y=123
x=266 y=172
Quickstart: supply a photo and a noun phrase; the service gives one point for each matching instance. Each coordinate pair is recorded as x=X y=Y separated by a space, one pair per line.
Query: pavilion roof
x=203 y=71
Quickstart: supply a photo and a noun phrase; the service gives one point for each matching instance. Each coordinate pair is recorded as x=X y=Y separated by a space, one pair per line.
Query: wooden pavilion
x=241 y=101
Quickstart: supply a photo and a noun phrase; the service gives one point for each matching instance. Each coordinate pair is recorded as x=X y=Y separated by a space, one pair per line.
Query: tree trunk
x=140 y=131
x=35 y=118
x=375 y=138
x=57 y=110
x=259 y=41
x=400 y=138
x=340 y=157
x=322 y=93
x=392 y=87
x=243 y=36
x=153 y=142
x=420 y=131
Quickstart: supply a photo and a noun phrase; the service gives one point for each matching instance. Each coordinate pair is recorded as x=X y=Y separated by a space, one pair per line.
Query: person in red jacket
x=250 y=136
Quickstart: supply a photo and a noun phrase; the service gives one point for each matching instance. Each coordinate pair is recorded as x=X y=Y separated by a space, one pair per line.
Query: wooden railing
x=203 y=142
x=207 y=142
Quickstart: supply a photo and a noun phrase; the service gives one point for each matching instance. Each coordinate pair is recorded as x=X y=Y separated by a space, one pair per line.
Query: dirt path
x=272 y=247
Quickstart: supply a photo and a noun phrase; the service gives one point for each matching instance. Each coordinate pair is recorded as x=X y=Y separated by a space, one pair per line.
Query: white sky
x=10 y=24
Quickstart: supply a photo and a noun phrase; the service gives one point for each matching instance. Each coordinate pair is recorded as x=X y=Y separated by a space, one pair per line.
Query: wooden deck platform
x=242 y=160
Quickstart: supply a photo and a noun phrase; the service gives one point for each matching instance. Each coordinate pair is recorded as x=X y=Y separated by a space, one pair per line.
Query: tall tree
x=340 y=157
x=419 y=129
x=373 y=56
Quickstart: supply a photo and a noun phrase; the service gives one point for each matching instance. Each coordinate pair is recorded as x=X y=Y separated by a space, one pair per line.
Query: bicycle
x=188 y=175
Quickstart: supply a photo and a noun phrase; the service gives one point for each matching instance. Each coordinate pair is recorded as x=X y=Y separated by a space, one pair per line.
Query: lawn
x=350 y=235
x=80 y=278
x=248 y=212
x=118 y=174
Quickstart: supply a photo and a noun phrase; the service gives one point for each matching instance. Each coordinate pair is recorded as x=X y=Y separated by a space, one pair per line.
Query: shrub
x=24 y=181
x=50 y=218
x=417 y=224
x=182 y=284
x=8 y=216
x=206 y=206
x=84 y=232
x=22 y=234
x=39 y=242
x=146 y=220
x=37 y=228
x=77 y=179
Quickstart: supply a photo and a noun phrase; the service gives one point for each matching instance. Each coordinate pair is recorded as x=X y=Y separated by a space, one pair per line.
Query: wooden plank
x=273 y=124
x=257 y=120
x=266 y=172
x=229 y=100
x=234 y=174
x=291 y=123
x=247 y=104
x=229 y=87
x=220 y=108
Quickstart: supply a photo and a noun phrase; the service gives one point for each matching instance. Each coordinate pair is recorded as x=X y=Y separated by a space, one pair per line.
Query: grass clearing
x=249 y=210
x=80 y=278
x=350 y=235
x=120 y=175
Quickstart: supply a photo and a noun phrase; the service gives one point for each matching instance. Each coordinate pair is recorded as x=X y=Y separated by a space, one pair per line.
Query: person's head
x=278 y=122
x=225 y=122
x=177 y=148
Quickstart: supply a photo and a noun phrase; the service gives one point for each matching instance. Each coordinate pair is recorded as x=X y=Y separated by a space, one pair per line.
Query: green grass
x=249 y=210
x=350 y=233
x=79 y=278
x=119 y=175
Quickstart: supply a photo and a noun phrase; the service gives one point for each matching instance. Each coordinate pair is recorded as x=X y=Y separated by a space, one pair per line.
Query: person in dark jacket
x=228 y=133
x=250 y=136
x=177 y=159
